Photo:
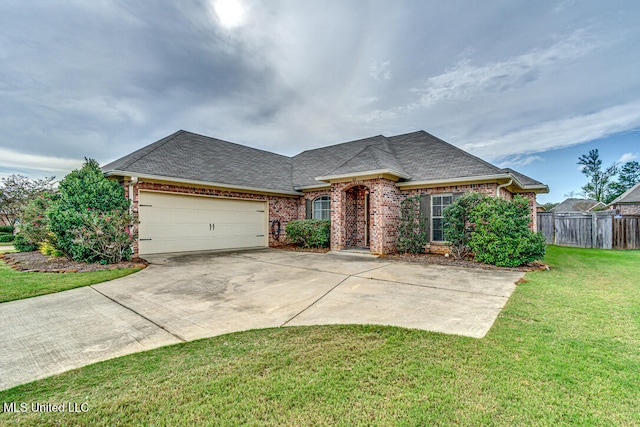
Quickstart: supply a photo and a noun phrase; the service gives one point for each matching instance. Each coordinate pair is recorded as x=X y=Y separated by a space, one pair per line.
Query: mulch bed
x=433 y=259
x=37 y=262
x=289 y=247
x=466 y=263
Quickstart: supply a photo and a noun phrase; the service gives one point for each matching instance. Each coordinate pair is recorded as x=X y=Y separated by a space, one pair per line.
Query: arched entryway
x=357 y=217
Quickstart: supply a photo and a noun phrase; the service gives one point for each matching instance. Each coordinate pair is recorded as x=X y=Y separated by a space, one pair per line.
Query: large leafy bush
x=309 y=233
x=495 y=230
x=87 y=219
x=412 y=230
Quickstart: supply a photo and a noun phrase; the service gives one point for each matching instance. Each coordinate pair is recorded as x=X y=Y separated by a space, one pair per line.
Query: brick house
x=191 y=192
x=628 y=203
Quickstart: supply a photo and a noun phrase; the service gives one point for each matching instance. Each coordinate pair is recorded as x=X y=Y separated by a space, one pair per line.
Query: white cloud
x=627 y=157
x=559 y=133
x=380 y=70
x=517 y=161
x=14 y=160
x=465 y=81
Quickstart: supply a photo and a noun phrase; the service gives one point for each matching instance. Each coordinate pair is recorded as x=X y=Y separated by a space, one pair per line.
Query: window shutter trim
x=308 y=211
x=425 y=210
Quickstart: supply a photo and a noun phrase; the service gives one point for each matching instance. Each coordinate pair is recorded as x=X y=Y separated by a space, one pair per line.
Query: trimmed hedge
x=6 y=237
x=6 y=229
x=309 y=233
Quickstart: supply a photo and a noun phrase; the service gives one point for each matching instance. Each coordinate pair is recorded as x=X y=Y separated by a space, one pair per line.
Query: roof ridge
x=342 y=143
x=135 y=157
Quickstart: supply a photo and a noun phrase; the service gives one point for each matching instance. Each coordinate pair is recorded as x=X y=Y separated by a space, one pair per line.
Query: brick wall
x=347 y=208
x=628 y=209
x=311 y=195
x=347 y=214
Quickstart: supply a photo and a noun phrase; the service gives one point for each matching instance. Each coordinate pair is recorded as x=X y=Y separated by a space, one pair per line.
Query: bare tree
x=16 y=191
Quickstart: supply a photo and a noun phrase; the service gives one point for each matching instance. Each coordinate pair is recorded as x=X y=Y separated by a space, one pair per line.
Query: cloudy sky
x=523 y=84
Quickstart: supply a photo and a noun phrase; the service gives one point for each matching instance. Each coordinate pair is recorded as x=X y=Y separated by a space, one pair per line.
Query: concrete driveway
x=185 y=297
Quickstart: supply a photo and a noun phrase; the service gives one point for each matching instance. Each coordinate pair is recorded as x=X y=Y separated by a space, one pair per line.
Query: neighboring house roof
x=414 y=158
x=577 y=205
x=631 y=196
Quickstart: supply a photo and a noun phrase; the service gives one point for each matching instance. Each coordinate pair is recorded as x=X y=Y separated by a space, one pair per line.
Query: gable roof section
x=632 y=196
x=370 y=160
x=310 y=164
x=194 y=157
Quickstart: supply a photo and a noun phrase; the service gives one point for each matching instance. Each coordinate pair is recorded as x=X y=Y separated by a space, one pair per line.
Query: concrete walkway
x=185 y=297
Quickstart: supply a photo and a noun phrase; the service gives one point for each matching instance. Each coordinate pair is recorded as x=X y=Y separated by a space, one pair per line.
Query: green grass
x=16 y=285
x=564 y=351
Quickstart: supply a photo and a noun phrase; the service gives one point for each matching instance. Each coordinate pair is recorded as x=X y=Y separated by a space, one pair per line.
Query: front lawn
x=16 y=285
x=564 y=351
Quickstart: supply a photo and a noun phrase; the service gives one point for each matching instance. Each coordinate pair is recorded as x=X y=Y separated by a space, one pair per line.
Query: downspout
x=502 y=186
x=134 y=181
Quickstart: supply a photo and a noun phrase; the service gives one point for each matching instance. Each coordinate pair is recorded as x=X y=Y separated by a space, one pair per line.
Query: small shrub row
x=309 y=233
x=6 y=229
x=6 y=237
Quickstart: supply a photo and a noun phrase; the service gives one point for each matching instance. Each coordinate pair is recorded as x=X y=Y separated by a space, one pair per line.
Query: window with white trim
x=322 y=208
x=438 y=203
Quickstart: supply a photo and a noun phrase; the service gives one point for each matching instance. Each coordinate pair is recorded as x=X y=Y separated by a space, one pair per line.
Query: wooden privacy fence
x=590 y=230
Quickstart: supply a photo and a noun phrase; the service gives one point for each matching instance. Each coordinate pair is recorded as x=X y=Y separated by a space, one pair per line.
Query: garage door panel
x=174 y=223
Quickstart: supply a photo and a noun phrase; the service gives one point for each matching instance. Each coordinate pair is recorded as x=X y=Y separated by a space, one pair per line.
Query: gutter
x=201 y=183
x=502 y=186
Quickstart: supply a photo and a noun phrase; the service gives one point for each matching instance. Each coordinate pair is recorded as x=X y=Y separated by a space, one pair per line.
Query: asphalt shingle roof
x=195 y=157
x=632 y=195
x=575 y=205
x=370 y=158
x=417 y=155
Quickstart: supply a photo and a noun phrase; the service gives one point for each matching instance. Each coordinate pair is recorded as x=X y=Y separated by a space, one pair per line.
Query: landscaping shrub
x=6 y=237
x=412 y=230
x=6 y=229
x=494 y=229
x=49 y=249
x=22 y=244
x=309 y=233
x=457 y=228
x=501 y=235
x=34 y=222
x=86 y=200
x=107 y=235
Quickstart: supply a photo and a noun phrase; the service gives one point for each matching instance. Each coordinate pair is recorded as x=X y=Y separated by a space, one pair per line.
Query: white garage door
x=179 y=223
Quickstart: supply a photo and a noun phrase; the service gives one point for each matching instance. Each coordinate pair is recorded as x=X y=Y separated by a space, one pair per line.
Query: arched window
x=322 y=208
